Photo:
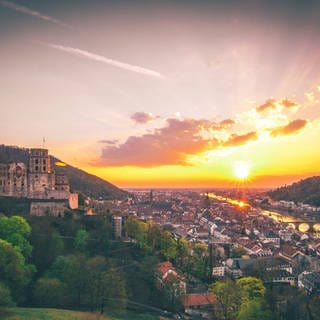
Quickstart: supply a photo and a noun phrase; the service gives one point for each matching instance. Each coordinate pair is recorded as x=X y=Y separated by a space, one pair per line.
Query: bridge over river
x=303 y=225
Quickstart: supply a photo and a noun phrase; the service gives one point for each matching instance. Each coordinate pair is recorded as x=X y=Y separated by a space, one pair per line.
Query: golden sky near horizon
x=166 y=93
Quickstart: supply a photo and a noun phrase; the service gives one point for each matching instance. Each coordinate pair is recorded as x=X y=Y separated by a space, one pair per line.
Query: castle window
x=44 y=161
x=36 y=168
x=36 y=161
x=44 y=168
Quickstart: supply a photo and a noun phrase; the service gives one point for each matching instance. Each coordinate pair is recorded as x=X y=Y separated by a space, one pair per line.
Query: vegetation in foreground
x=75 y=264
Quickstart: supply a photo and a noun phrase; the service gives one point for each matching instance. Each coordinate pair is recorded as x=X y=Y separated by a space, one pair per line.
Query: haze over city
x=165 y=93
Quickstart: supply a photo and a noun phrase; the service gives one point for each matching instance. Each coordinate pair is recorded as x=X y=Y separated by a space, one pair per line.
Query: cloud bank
x=179 y=139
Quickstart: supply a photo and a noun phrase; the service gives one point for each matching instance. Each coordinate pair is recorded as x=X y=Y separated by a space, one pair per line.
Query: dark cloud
x=237 y=140
x=292 y=127
x=108 y=141
x=142 y=117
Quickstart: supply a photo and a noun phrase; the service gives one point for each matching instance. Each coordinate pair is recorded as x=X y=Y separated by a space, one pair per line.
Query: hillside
x=89 y=184
x=80 y=181
x=306 y=191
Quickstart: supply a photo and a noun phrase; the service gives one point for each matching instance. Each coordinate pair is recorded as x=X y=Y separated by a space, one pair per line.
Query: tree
x=182 y=252
x=14 y=273
x=200 y=262
x=138 y=230
x=96 y=267
x=313 y=308
x=229 y=296
x=253 y=305
x=113 y=290
x=81 y=241
x=252 y=287
x=72 y=272
x=238 y=252
x=5 y=296
x=254 y=309
x=49 y=293
x=168 y=245
x=16 y=231
x=172 y=292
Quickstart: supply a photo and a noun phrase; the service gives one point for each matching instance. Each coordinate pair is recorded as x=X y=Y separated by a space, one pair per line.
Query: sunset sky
x=165 y=93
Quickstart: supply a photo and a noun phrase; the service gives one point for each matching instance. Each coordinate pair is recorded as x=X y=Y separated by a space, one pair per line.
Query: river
x=272 y=214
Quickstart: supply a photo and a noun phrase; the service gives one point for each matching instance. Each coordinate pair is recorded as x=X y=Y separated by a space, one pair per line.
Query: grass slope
x=58 y=314
x=49 y=314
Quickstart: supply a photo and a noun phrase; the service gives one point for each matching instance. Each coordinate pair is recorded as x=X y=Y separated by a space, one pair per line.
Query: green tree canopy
x=252 y=287
x=229 y=296
x=16 y=230
x=49 y=293
x=5 y=296
x=14 y=273
x=81 y=240
x=254 y=309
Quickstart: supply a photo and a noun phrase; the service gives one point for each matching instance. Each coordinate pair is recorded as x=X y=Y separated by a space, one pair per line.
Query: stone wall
x=48 y=208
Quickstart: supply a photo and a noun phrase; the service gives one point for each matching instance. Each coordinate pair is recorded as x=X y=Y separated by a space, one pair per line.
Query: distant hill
x=80 y=181
x=306 y=191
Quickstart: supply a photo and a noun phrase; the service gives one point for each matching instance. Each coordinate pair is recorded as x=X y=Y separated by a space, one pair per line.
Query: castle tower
x=39 y=161
x=40 y=177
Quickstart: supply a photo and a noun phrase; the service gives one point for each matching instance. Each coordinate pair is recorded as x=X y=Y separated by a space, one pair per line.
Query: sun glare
x=241 y=170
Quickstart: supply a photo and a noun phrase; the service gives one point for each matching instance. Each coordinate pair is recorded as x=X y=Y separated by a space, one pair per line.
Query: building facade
x=36 y=180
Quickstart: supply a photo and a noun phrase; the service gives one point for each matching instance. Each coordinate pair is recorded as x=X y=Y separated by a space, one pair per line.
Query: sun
x=241 y=170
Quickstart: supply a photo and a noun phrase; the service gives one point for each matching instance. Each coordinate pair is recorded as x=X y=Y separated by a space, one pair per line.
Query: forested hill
x=89 y=184
x=80 y=181
x=306 y=191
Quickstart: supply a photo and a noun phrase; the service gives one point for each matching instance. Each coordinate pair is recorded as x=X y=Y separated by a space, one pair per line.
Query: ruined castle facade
x=36 y=180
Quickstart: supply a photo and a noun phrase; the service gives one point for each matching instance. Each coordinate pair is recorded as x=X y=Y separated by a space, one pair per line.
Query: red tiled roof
x=198 y=299
x=164 y=267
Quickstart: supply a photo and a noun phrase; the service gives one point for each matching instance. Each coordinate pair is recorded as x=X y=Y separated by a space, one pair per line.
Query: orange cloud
x=293 y=127
x=269 y=104
x=227 y=123
x=169 y=145
x=236 y=140
x=272 y=104
x=287 y=103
